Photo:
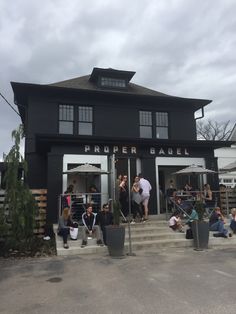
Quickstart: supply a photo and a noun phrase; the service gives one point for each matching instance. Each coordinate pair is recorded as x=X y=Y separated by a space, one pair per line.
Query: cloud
x=179 y=47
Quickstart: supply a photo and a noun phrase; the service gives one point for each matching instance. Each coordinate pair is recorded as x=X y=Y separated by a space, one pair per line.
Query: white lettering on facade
x=152 y=151
x=133 y=150
x=186 y=152
x=87 y=148
x=96 y=149
x=161 y=151
x=178 y=151
x=124 y=150
x=170 y=151
x=115 y=149
x=106 y=149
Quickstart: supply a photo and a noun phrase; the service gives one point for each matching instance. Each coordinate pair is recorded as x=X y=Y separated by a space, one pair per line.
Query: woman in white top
x=175 y=222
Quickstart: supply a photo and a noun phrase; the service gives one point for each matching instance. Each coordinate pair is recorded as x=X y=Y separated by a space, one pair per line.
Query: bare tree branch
x=213 y=131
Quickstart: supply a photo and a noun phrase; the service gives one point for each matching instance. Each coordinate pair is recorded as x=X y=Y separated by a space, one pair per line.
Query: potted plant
x=200 y=228
x=115 y=234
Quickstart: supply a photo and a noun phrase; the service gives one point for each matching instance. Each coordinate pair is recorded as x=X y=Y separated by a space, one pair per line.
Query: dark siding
x=116 y=121
x=37 y=174
x=54 y=185
x=42 y=117
x=182 y=125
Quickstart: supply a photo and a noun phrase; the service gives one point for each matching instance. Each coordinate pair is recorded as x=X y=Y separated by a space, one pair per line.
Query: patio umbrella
x=230 y=167
x=195 y=170
x=86 y=169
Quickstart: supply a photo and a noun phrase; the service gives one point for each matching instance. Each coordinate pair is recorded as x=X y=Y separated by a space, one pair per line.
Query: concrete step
x=151 y=235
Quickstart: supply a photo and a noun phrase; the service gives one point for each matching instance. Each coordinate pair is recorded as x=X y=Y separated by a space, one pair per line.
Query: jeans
x=233 y=225
x=64 y=232
x=219 y=226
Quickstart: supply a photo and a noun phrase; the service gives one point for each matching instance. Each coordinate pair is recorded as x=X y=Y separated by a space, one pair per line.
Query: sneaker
x=132 y=222
x=99 y=242
x=181 y=231
x=84 y=243
x=66 y=246
x=230 y=235
x=216 y=235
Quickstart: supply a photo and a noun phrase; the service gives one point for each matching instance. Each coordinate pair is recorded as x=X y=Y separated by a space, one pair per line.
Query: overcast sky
x=184 y=48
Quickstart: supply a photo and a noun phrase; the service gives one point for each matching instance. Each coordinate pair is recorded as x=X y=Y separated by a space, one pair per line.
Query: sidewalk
x=164 y=282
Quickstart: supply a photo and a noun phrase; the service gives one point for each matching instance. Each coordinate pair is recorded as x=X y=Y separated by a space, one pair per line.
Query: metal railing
x=79 y=201
x=225 y=199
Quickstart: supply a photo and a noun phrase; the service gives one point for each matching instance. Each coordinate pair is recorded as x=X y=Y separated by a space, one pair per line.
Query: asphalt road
x=168 y=281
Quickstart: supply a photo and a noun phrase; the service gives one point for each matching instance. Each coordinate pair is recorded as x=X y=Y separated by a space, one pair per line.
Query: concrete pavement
x=163 y=281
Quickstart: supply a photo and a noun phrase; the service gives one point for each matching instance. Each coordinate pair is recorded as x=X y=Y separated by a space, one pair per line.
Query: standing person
x=64 y=225
x=90 y=226
x=105 y=218
x=124 y=196
x=136 y=200
x=217 y=222
x=208 y=199
x=66 y=198
x=117 y=187
x=95 y=198
x=170 y=195
x=145 y=188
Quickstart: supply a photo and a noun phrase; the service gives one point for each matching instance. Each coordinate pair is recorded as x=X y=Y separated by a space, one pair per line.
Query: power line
x=9 y=103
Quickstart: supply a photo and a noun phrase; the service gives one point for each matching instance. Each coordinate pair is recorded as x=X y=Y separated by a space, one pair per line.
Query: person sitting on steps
x=175 y=222
x=216 y=223
x=64 y=225
x=90 y=226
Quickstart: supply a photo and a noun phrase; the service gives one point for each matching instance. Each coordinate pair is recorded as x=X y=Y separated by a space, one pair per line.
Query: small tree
x=213 y=130
x=19 y=200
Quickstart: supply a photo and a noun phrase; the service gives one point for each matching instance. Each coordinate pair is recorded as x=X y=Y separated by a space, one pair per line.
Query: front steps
x=151 y=235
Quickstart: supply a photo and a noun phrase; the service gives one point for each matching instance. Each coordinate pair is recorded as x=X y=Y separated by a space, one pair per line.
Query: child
x=175 y=222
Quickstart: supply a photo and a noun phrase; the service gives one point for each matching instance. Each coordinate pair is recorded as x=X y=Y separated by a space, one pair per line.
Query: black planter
x=115 y=240
x=200 y=234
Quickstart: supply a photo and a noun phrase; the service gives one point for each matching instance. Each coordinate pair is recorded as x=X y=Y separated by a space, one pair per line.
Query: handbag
x=189 y=234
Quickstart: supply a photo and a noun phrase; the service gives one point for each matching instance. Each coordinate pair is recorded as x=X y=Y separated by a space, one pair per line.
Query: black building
x=91 y=118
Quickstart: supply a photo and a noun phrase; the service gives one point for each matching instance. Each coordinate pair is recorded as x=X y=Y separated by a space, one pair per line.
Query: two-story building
x=92 y=118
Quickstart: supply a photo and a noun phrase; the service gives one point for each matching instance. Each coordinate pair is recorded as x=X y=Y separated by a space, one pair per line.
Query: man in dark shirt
x=105 y=218
x=217 y=222
x=90 y=226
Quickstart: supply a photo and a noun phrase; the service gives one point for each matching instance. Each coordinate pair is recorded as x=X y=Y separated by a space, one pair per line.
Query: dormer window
x=111 y=78
x=112 y=82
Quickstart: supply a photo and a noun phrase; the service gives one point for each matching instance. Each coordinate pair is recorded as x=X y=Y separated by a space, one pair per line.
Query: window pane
x=146 y=131
x=85 y=128
x=145 y=118
x=85 y=114
x=112 y=82
x=162 y=133
x=65 y=127
x=161 y=119
x=66 y=112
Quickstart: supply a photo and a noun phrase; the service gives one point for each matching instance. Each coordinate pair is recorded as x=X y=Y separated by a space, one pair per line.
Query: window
x=85 y=118
x=113 y=82
x=145 y=124
x=162 y=125
x=227 y=180
x=66 y=119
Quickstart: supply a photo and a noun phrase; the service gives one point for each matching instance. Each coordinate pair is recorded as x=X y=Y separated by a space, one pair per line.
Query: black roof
x=84 y=82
